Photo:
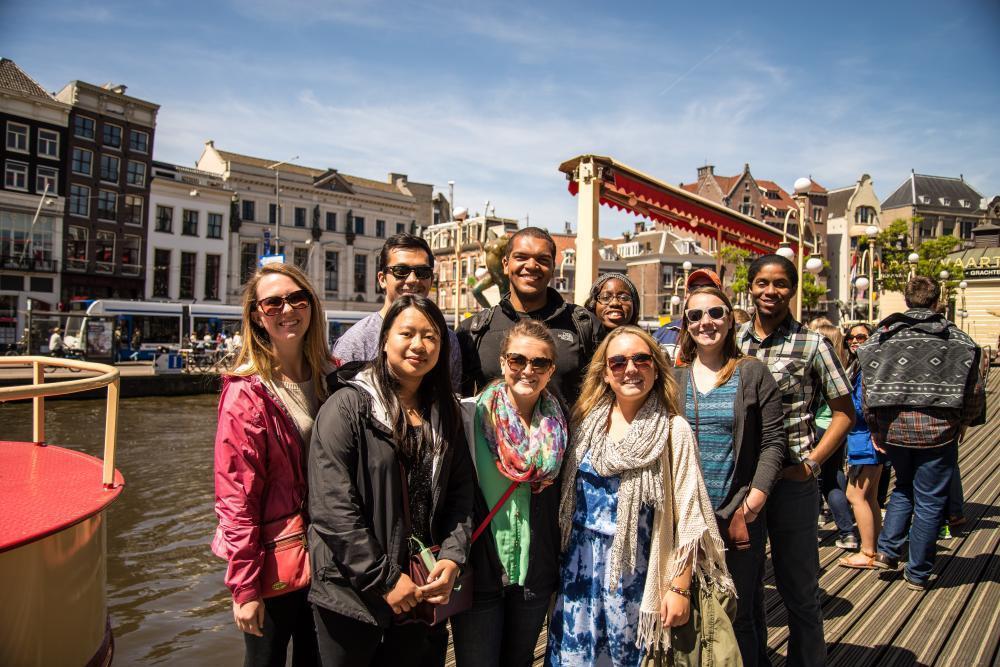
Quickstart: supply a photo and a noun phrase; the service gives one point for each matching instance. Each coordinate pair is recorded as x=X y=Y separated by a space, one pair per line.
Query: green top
x=824 y=416
x=511 y=528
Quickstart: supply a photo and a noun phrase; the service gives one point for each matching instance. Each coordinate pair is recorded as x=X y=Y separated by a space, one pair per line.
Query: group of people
x=559 y=462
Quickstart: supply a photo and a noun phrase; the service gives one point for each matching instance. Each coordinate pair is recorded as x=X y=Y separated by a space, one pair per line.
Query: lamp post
x=872 y=233
x=963 y=313
x=913 y=258
x=802 y=186
x=944 y=289
x=687 y=266
x=277 y=202
x=460 y=214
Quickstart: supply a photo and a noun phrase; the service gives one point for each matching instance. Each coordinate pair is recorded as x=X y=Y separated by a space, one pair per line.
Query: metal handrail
x=37 y=391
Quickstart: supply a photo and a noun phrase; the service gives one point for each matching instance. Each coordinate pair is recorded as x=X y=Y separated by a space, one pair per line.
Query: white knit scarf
x=658 y=464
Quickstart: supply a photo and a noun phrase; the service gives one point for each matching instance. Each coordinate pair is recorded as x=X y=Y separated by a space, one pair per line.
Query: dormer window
x=965 y=203
x=944 y=201
x=924 y=199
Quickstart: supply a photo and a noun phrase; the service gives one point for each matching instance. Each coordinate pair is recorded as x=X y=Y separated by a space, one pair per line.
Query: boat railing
x=38 y=390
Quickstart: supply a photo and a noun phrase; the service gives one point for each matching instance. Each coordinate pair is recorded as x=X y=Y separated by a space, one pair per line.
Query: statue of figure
x=494 y=251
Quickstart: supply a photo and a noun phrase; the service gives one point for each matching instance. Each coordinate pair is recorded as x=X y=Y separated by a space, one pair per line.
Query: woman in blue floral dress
x=636 y=519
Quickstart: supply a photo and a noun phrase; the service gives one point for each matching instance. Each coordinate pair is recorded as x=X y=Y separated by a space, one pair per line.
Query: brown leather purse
x=286 y=555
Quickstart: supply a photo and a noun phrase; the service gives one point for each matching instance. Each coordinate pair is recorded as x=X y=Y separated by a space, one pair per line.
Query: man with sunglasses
x=806 y=369
x=529 y=263
x=406 y=266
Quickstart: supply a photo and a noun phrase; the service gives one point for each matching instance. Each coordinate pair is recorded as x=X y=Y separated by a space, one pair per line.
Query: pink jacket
x=259 y=476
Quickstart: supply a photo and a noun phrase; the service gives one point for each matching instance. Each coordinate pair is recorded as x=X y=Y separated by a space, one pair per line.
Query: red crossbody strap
x=493 y=512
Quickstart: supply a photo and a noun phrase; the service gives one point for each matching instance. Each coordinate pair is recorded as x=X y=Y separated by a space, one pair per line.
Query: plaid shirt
x=803 y=364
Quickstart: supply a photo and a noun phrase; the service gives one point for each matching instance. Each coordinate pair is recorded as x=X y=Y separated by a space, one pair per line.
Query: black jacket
x=357 y=544
x=759 y=439
x=574 y=329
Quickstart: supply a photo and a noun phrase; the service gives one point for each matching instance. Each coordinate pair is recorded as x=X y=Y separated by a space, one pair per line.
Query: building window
x=165 y=219
x=131 y=252
x=107 y=205
x=15 y=176
x=331 y=221
x=927 y=228
x=301 y=257
x=83 y=127
x=360 y=272
x=817 y=214
x=79 y=200
x=189 y=226
x=189 y=261
x=138 y=141
x=249 y=212
x=109 y=168
x=48 y=144
x=865 y=215
x=214 y=229
x=112 y=136
x=76 y=248
x=400 y=227
x=300 y=217
x=966 y=225
x=106 y=251
x=83 y=161
x=359 y=225
x=380 y=229
x=331 y=276
x=212 y=265
x=136 y=174
x=46 y=178
x=746 y=208
x=17 y=137
x=248 y=262
x=133 y=209
x=161 y=273
x=272 y=213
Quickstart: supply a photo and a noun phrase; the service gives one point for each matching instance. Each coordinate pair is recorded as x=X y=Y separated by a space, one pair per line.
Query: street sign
x=272 y=259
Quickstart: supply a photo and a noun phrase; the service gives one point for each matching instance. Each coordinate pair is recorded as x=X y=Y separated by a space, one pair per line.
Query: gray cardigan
x=759 y=439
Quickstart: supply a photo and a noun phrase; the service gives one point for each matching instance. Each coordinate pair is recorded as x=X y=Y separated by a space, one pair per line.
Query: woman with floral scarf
x=518 y=433
x=637 y=523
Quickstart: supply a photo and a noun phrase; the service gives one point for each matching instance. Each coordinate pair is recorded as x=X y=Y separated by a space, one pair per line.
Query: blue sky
x=495 y=95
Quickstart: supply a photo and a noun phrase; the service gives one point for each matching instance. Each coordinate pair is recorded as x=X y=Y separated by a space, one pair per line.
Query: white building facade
x=851 y=210
x=330 y=224
x=187 y=251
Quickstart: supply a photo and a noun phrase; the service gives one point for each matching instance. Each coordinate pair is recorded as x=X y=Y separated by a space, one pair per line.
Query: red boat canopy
x=628 y=189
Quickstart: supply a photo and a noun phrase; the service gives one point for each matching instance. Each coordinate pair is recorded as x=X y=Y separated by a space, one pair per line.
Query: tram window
x=158 y=330
x=213 y=325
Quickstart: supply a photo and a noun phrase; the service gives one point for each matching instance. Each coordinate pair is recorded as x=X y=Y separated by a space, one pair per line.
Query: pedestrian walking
x=614 y=301
x=266 y=417
x=519 y=434
x=136 y=344
x=922 y=390
x=734 y=406
x=806 y=369
x=635 y=517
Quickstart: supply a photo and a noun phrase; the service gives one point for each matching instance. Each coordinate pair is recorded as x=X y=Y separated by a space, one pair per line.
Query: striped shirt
x=711 y=417
x=806 y=369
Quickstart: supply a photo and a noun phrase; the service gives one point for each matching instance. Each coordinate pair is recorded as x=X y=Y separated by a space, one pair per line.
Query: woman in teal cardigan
x=518 y=434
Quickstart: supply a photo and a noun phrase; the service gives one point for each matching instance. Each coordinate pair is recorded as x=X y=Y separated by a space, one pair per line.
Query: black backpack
x=582 y=322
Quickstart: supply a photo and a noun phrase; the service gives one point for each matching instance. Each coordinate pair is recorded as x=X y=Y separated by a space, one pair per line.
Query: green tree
x=737 y=257
x=812 y=290
x=894 y=248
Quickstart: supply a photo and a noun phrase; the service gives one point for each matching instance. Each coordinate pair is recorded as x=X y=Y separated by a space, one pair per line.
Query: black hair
x=767 y=260
x=595 y=289
x=535 y=233
x=435 y=388
x=403 y=240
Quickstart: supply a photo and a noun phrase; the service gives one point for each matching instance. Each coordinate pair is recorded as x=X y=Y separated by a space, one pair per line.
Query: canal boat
x=53 y=529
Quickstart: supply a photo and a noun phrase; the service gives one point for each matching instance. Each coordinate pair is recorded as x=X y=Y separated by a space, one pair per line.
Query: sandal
x=869 y=563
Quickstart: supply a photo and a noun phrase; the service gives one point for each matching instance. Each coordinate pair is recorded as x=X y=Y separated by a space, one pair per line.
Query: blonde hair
x=256 y=356
x=595 y=388
x=836 y=337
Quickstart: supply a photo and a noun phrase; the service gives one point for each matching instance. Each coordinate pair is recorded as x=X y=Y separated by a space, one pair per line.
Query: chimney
x=569 y=228
x=640 y=227
x=210 y=143
x=706 y=171
x=394 y=178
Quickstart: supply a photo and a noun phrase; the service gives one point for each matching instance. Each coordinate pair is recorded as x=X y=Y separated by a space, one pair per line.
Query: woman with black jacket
x=734 y=406
x=397 y=417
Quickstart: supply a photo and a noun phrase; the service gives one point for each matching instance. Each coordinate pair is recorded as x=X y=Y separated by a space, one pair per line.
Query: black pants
x=499 y=631
x=286 y=617
x=346 y=642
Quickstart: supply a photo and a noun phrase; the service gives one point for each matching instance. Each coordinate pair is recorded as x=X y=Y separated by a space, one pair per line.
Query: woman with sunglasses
x=519 y=435
x=864 y=464
x=734 y=405
x=634 y=514
x=389 y=474
x=614 y=300
x=266 y=414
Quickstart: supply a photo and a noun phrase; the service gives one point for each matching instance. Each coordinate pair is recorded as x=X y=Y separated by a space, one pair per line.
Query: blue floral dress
x=591 y=625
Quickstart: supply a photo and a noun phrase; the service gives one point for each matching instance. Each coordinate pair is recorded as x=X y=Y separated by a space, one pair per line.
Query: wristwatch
x=814 y=467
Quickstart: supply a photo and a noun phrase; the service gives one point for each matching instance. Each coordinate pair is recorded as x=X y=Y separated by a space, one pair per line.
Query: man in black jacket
x=529 y=264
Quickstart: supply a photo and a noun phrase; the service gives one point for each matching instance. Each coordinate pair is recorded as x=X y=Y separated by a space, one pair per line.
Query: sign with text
x=272 y=259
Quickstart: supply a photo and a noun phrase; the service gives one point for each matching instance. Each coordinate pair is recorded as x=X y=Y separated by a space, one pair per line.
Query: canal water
x=166 y=594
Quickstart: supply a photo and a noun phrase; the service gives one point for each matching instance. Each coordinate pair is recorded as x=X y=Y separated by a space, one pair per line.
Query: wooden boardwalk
x=872 y=619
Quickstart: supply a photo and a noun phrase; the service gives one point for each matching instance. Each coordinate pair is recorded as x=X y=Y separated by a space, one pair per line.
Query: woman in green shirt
x=518 y=434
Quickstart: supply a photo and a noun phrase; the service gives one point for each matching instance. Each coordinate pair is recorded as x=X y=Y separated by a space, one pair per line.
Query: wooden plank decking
x=872 y=619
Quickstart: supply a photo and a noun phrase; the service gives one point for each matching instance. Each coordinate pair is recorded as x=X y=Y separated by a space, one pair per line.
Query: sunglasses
x=403 y=271
x=858 y=337
x=695 y=315
x=607 y=297
x=273 y=305
x=518 y=362
x=619 y=362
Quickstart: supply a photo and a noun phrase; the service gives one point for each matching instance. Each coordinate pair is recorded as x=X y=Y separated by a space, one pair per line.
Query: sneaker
x=944 y=533
x=824 y=518
x=848 y=542
x=914 y=585
x=883 y=562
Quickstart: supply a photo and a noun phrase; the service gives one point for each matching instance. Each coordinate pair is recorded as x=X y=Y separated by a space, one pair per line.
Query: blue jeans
x=747 y=570
x=956 y=495
x=499 y=630
x=923 y=478
x=791 y=527
x=832 y=483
